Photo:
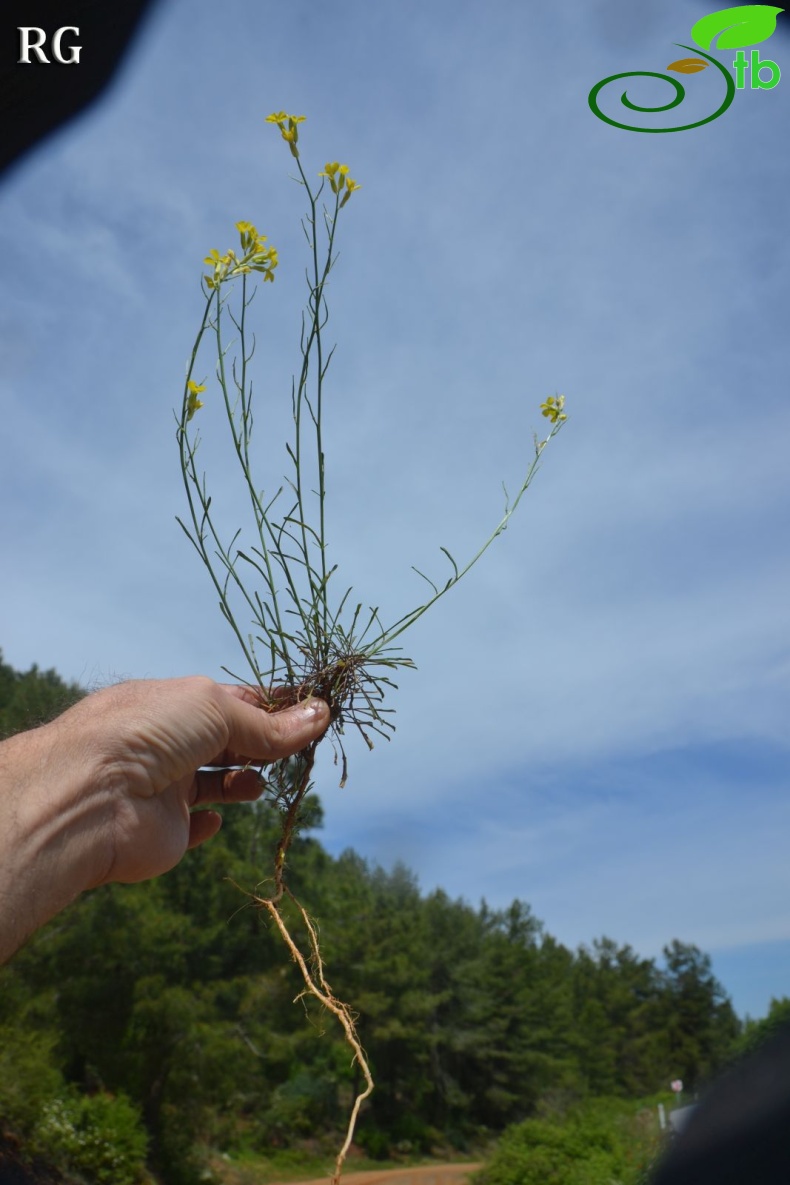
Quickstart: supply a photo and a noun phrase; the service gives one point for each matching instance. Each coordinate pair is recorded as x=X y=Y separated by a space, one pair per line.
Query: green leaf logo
x=748 y=24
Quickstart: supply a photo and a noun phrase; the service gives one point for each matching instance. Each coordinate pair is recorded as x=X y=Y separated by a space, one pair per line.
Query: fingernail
x=312 y=708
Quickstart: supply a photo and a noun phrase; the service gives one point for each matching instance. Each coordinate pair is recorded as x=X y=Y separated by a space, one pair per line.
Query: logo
x=735 y=28
x=34 y=40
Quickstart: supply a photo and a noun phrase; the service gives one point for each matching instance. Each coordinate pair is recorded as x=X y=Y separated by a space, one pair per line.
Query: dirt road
x=429 y=1174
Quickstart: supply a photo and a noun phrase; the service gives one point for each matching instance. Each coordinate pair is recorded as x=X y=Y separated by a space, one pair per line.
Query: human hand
x=104 y=792
x=148 y=740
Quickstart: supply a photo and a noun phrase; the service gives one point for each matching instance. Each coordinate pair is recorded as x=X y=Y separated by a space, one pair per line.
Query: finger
x=259 y=695
x=223 y=785
x=202 y=826
x=250 y=695
x=272 y=699
x=255 y=735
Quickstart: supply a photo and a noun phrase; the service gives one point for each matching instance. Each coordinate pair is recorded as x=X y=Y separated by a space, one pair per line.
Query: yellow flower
x=337 y=175
x=290 y=133
x=351 y=185
x=193 y=403
x=218 y=273
x=249 y=236
x=552 y=408
x=256 y=257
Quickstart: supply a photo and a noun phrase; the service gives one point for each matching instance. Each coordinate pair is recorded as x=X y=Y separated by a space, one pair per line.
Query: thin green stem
x=237 y=442
x=315 y=301
x=386 y=637
x=189 y=474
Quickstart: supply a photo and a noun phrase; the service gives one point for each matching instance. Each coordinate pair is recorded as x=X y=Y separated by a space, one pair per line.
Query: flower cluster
x=255 y=257
x=193 y=403
x=552 y=408
x=336 y=173
x=338 y=178
x=289 y=129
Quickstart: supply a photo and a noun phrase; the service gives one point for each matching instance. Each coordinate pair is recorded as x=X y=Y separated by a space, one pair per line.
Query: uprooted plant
x=306 y=641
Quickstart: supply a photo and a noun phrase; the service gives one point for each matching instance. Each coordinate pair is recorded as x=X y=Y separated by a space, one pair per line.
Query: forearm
x=48 y=826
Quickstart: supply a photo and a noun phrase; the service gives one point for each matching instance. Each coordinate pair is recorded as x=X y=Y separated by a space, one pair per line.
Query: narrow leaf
x=427 y=578
x=452 y=561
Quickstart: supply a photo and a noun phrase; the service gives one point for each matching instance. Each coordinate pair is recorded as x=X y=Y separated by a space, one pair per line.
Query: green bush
x=373 y=1141
x=99 y=1136
x=306 y=1103
x=28 y=1078
x=603 y=1143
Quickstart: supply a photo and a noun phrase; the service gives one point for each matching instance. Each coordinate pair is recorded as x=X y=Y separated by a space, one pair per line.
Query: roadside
x=424 y=1174
x=428 y=1174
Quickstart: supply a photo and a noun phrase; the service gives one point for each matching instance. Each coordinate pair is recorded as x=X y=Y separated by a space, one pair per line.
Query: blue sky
x=598 y=724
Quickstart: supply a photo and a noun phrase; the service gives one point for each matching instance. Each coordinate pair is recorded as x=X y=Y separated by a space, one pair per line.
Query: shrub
x=29 y=1080
x=99 y=1136
x=601 y=1143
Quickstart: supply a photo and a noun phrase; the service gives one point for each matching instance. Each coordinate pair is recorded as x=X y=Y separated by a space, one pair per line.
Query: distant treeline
x=165 y=1011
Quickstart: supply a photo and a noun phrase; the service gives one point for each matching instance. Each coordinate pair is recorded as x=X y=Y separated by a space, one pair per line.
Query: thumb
x=270 y=736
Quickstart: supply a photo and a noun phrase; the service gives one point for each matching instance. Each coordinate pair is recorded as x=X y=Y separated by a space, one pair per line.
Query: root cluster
x=351 y=688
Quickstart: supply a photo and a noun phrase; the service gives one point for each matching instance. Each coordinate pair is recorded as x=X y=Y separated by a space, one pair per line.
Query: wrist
x=48 y=831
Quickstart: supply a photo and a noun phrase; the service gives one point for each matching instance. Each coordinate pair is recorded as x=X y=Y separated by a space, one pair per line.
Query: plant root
x=315 y=980
x=316 y=985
